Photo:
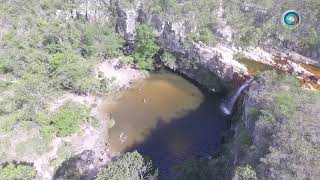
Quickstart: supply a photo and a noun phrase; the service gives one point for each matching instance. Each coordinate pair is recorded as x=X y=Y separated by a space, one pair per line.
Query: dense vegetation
x=130 y=166
x=278 y=136
x=147 y=47
x=43 y=56
x=48 y=55
x=259 y=21
x=14 y=171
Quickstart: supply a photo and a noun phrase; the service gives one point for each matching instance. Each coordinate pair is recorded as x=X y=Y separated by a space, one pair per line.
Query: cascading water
x=228 y=104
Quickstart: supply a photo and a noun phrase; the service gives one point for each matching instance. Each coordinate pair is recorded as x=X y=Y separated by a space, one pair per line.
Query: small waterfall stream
x=228 y=104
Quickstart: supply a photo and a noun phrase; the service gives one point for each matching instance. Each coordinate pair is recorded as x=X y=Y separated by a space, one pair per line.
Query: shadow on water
x=196 y=135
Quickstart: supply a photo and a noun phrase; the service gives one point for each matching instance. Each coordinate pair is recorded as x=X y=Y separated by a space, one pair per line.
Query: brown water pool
x=167 y=119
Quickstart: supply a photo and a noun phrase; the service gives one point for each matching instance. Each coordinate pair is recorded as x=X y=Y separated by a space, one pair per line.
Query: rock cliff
x=198 y=60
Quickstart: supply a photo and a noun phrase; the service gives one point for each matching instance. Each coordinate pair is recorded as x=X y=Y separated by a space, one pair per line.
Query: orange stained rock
x=314 y=70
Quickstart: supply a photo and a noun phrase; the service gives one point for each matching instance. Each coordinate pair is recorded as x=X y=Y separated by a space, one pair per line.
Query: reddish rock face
x=239 y=79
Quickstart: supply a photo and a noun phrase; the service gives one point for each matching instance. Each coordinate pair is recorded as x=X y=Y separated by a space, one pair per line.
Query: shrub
x=207 y=37
x=169 y=60
x=128 y=60
x=67 y=120
x=7 y=122
x=13 y=171
x=130 y=166
x=312 y=40
x=109 y=43
x=285 y=103
x=32 y=93
x=244 y=173
x=105 y=85
x=147 y=47
x=72 y=72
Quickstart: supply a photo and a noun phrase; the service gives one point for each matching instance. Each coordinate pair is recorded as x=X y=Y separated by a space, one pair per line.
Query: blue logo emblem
x=291 y=19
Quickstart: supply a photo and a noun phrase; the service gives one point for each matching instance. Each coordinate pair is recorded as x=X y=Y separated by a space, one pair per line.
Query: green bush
x=244 y=173
x=94 y=39
x=204 y=35
x=105 y=85
x=12 y=171
x=67 y=122
x=312 y=40
x=68 y=119
x=128 y=166
x=169 y=60
x=207 y=37
x=147 y=47
x=32 y=93
x=72 y=72
x=128 y=60
x=252 y=37
x=285 y=103
x=8 y=122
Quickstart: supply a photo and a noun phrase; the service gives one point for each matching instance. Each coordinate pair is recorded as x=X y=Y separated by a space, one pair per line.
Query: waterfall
x=227 y=105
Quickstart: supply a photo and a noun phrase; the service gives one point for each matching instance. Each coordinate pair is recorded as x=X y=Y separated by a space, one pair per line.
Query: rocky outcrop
x=127 y=19
x=91 y=10
x=198 y=61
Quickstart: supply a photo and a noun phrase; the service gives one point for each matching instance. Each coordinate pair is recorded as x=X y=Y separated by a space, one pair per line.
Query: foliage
x=283 y=131
x=13 y=171
x=67 y=120
x=130 y=166
x=205 y=36
x=285 y=103
x=169 y=60
x=127 y=60
x=32 y=93
x=72 y=72
x=44 y=52
x=147 y=47
x=312 y=40
x=8 y=122
x=277 y=126
x=257 y=21
x=244 y=173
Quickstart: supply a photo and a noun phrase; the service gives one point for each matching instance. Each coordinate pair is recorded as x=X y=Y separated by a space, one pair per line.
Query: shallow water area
x=254 y=67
